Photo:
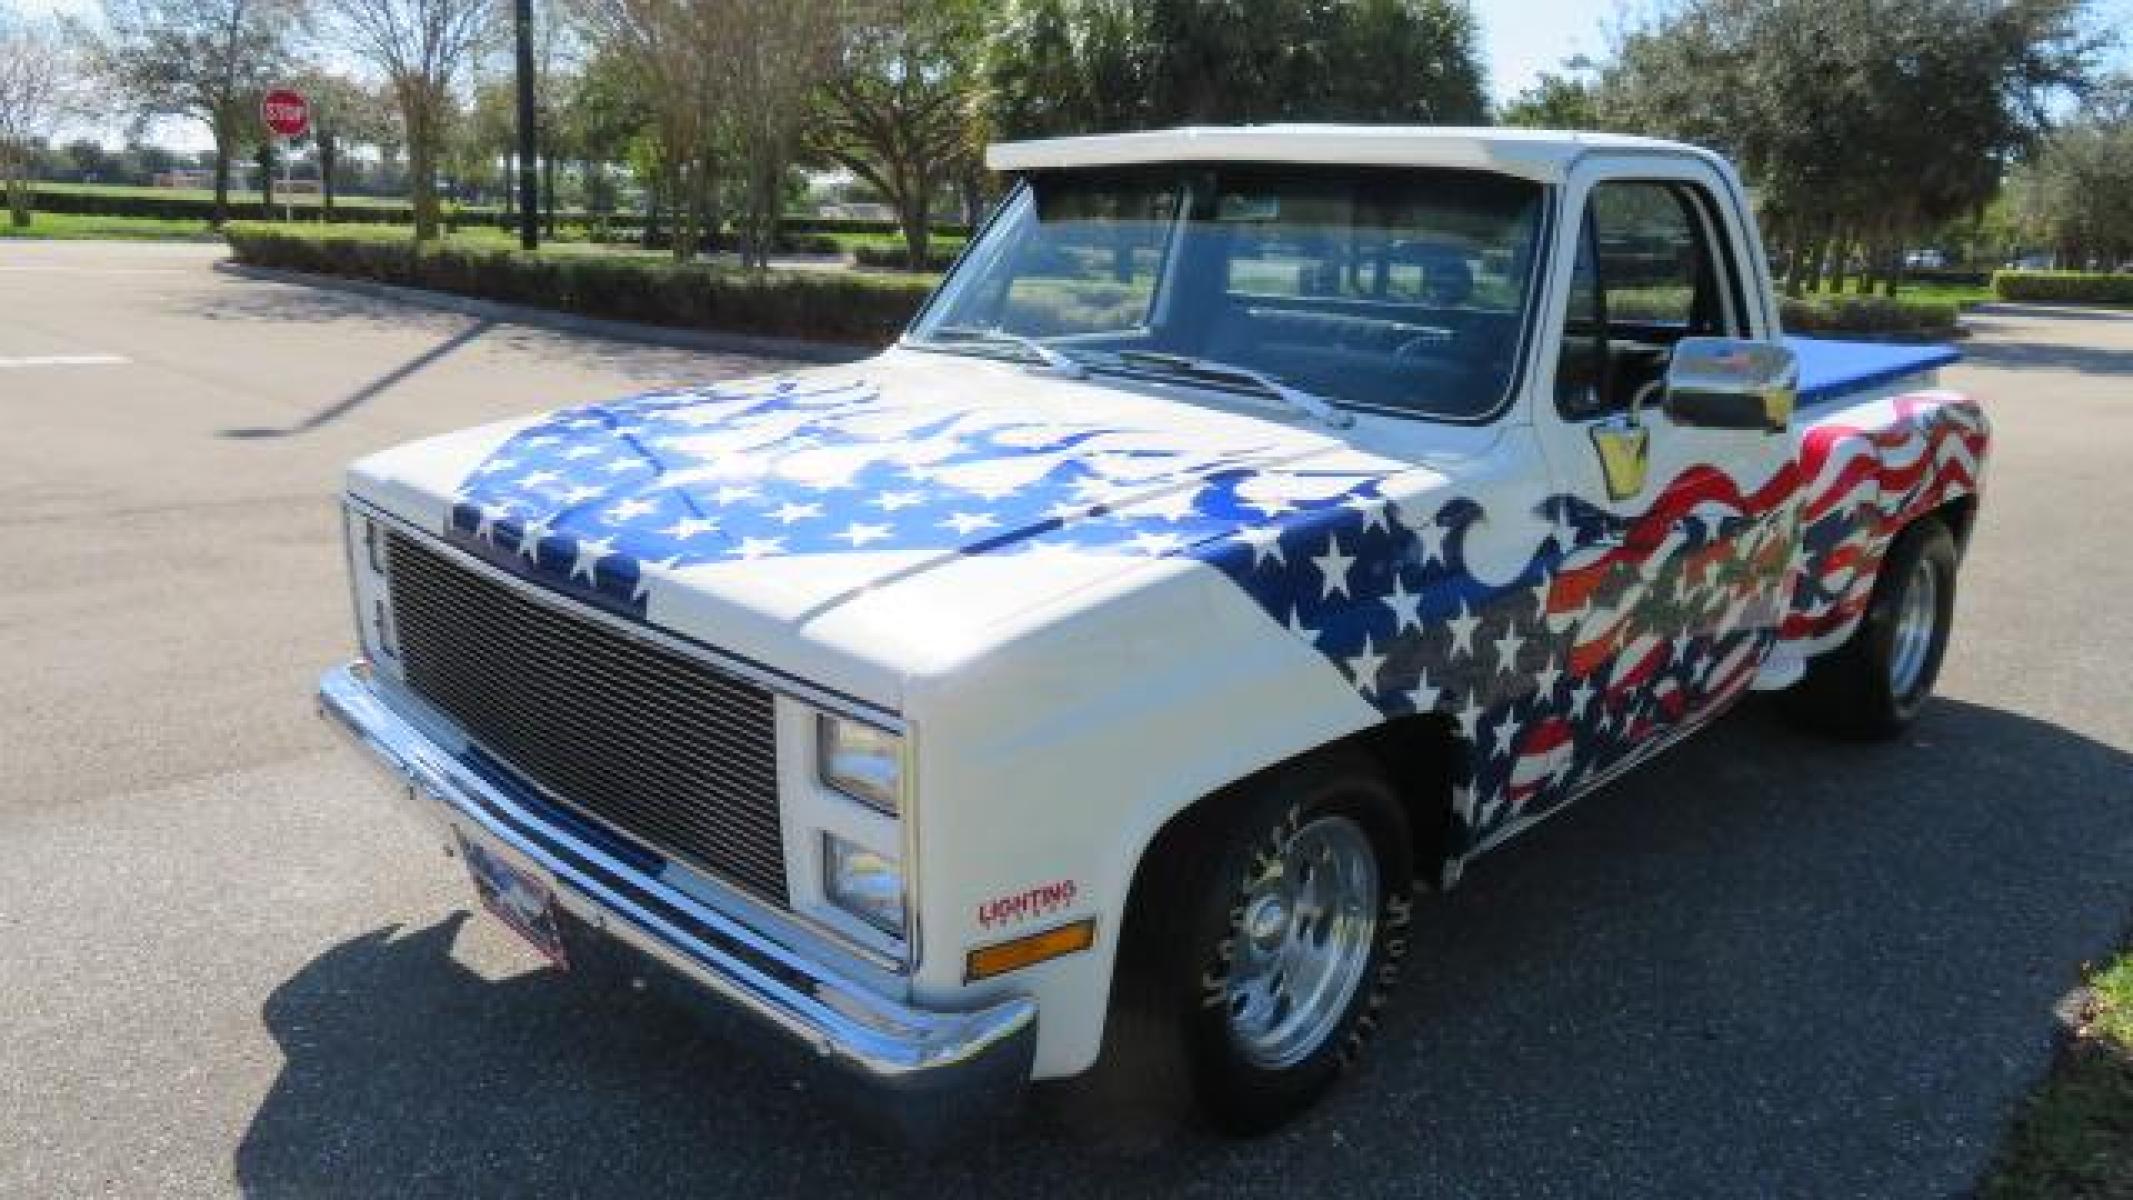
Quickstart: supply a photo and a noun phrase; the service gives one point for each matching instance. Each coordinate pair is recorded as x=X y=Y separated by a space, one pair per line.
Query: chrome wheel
x=1303 y=942
x=1917 y=620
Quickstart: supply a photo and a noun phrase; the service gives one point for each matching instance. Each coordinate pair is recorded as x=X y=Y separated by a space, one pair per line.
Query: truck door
x=1675 y=540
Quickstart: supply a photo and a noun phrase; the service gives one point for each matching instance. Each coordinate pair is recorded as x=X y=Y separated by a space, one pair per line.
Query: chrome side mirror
x=1731 y=383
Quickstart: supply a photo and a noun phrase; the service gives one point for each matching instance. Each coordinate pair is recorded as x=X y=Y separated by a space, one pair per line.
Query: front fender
x=1059 y=758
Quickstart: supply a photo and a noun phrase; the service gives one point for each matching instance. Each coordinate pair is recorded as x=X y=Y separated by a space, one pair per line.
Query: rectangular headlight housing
x=867 y=884
x=861 y=761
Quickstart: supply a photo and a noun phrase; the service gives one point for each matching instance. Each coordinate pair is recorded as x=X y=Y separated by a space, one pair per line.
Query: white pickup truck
x=1257 y=526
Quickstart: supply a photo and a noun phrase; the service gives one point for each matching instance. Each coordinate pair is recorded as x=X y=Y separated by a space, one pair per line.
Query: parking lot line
x=66 y=360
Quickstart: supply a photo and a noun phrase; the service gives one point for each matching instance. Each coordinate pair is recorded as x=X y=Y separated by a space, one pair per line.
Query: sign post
x=287 y=114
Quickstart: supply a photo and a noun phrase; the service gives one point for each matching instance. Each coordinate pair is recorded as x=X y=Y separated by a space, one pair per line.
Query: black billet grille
x=662 y=748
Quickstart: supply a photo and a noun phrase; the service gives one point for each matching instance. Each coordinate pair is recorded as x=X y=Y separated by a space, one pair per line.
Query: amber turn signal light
x=988 y=961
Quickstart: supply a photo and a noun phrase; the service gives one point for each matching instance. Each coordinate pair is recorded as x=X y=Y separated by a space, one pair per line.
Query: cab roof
x=1541 y=154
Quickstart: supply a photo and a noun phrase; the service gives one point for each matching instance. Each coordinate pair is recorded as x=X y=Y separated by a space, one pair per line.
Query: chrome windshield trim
x=712 y=656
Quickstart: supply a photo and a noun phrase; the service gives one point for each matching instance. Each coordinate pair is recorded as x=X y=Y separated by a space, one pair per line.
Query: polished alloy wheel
x=1302 y=943
x=1912 y=642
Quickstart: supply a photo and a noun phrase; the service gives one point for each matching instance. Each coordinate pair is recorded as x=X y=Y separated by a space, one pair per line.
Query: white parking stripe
x=66 y=360
x=72 y=270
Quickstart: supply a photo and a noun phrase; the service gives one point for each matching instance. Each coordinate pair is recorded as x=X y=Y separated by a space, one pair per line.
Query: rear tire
x=1267 y=930
x=1873 y=686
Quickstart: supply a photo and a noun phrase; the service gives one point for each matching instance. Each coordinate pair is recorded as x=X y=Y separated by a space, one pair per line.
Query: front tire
x=1267 y=931
x=1874 y=685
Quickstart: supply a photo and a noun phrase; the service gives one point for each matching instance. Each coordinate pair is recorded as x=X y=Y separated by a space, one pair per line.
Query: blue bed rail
x=1829 y=369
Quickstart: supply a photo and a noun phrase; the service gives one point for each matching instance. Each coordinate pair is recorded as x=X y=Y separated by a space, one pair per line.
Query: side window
x=1650 y=270
x=1658 y=265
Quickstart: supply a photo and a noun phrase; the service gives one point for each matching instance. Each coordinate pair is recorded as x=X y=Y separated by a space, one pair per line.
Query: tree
x=771 y=56
x=1555 y=102
x=1862 y=121
x=897 y=111
x=202 y=60
x=1393 y=61
x=2077 y=195
x=33 y=97
x=599 y=116
x=664 y=50
x=484 y=145
x=421 y=47
x=343 y=113
x=1082 y=66
x=1055 y=67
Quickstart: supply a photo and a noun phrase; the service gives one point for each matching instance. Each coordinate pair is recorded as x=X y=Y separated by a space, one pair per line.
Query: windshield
x=1400 y=289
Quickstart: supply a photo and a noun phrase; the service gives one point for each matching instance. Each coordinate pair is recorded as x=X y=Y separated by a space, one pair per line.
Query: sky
x=1520 y=39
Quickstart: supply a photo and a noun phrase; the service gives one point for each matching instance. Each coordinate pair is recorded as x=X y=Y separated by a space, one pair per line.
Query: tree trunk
x=422 y=186
x=329 y=153
x=916 y=216
x=222 y=182
x=266 y=179
x=681 y=204
x=1840 y=248
x=1796 y=248
x=548 y=192
x=17 y=174
x=1811 y=250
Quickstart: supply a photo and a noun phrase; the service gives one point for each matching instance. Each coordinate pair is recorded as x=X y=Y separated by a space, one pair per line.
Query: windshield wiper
x=1310 y=404
x=1058 y=361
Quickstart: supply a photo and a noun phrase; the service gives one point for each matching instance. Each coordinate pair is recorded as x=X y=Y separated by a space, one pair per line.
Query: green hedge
x=2063 y=287
x=1878 y=315
x=821 y=305
x=855 y=225
x=893 y=256
x=811 y=235
x=1952 y=276
x=196 y=208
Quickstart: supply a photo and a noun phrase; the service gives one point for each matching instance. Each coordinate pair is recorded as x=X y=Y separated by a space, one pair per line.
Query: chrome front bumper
x=931 y=1073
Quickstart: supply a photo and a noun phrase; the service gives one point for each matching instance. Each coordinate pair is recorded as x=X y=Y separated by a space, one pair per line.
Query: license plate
x=517 y=897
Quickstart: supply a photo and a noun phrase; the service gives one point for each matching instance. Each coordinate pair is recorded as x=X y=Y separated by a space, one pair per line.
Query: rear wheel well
x=1958 y=515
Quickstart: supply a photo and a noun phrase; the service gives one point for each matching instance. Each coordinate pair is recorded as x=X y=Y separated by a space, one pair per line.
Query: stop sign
x=285 y=112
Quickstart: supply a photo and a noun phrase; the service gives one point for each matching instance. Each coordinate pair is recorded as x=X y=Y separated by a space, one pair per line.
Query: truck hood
x=853 y=525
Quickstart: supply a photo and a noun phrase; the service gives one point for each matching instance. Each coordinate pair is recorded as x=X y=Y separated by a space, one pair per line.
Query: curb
x=545 y=318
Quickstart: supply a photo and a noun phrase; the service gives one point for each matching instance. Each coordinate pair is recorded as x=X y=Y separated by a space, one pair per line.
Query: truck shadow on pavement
x=2009 y=355
x=1765 y=960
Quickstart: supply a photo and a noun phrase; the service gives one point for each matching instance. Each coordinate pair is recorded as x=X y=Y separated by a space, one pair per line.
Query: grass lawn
x=2074 y=1136
x=72 y=227
x=1962 y=295
x=237 y=196
x=477 y=237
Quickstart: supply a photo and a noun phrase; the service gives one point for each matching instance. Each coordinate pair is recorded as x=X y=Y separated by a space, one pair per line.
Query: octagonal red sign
x=285 y=112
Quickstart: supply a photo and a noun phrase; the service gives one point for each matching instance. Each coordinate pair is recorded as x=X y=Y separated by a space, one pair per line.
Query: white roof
x=1543 y=154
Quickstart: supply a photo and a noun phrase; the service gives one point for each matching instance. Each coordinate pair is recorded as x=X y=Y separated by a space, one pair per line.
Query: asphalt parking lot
x=1764 y=965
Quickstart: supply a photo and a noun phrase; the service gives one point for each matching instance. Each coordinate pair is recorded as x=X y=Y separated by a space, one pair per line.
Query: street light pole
x=529 y=189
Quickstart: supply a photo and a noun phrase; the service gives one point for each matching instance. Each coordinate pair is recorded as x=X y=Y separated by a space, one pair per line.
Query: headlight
x=861 y=761
x=867 y=885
